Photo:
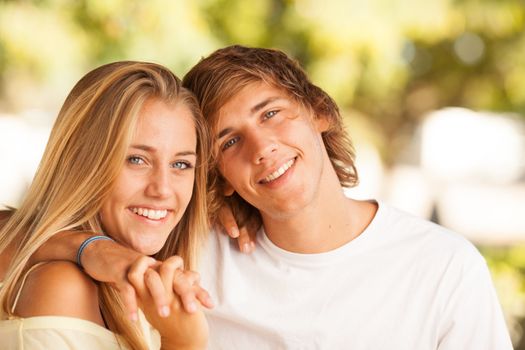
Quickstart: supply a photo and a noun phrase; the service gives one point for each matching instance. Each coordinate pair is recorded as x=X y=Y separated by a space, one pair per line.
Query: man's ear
x=322 y=123
x=227 y=189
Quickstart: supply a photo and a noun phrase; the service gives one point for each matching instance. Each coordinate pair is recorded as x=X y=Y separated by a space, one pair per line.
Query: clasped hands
x=164 y=285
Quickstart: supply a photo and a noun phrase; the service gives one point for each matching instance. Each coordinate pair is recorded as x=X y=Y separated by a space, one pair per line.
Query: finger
x=136 y=273
x=168 y=268
x=157 y=291
x=204 y=297
x=245 y=241
x=129 y=298
x=167 y=271
x=183 y=285
x=135 y=277
x=227 y=220
x=192 y=277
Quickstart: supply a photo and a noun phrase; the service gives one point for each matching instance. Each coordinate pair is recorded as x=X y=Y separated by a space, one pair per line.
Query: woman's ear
x=227 y=189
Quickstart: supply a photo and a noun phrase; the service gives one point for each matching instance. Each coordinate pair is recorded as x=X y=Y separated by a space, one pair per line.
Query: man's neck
x=328 y=222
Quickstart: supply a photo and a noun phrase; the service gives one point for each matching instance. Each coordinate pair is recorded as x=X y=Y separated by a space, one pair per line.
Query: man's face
x=270 y=150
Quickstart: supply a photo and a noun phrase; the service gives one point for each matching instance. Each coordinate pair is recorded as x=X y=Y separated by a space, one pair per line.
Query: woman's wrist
x=87 y=242
x=62 y=246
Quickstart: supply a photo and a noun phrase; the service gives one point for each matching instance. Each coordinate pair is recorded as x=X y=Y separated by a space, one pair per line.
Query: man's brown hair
x=220 y=76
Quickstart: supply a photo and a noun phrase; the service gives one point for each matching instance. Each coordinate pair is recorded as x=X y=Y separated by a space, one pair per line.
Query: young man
x=328 y=272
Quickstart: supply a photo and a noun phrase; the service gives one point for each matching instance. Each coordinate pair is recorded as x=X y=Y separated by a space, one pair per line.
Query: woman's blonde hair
x=84 y=155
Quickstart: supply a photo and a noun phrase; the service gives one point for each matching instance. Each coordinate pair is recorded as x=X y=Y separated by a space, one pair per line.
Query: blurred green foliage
x=388 y=61
x=507 y=265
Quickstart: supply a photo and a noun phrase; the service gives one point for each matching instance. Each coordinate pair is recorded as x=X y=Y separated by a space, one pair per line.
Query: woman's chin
x=148 y=248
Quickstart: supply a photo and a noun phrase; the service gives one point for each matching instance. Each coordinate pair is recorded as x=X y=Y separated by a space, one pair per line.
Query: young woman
x=125 y=159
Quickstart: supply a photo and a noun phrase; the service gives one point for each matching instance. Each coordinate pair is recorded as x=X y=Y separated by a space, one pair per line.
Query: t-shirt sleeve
x=473 y=319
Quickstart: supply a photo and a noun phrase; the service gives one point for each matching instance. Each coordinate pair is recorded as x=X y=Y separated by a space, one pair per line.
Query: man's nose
x=262 y=145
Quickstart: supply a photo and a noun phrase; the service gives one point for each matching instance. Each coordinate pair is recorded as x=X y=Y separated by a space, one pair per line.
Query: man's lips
x=278 y=173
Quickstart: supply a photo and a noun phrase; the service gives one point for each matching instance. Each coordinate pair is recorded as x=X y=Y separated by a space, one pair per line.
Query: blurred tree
x=391 y=61
x=46 y=45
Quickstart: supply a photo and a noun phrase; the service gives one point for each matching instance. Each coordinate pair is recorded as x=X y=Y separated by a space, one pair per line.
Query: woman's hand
x=108 y=261
x=168 y=284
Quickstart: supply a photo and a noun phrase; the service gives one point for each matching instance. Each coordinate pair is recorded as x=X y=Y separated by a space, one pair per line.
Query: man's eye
x=270 y=114
x=182 y=165
x=230 y=143
x=135 y=160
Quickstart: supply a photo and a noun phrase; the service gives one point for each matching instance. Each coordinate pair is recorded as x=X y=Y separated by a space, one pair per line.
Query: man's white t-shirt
x=404 y=283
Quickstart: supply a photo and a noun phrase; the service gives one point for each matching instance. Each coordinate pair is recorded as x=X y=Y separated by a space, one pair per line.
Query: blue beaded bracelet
x=86 y=243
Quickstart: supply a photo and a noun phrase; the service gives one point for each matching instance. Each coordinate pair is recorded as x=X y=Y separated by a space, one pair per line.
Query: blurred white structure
x=466 y=170
x=22 y=143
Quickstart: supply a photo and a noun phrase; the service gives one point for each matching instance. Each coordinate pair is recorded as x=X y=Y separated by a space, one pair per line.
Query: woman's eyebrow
x=154 y=150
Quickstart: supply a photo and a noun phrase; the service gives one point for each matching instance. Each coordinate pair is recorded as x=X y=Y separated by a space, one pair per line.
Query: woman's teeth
x=150 y=213
x=279 y=172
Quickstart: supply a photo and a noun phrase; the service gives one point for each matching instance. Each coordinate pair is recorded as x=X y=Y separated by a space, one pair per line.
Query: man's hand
x=245 y=236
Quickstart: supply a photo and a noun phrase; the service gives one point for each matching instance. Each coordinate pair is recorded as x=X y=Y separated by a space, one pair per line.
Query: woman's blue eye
x=230 y=143
x=135 y=160
x=182 y=165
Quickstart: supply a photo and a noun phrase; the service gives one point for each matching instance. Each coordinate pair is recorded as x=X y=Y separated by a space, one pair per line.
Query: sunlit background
x=433 y=94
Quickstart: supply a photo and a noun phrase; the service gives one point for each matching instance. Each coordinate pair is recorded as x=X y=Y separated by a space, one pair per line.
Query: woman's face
x=155 y=185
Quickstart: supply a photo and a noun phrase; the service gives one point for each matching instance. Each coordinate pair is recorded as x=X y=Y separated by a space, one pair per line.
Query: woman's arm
x=109 y=261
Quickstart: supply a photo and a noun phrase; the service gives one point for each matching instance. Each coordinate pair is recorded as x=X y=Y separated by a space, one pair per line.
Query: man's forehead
x=249 y=99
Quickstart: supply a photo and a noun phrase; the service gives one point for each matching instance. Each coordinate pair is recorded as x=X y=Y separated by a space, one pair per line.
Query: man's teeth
x=277 y=173
x=150 y=213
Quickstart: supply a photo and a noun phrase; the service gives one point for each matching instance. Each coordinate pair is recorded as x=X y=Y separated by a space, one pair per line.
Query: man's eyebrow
x=223 y=133
x=263 y=104
x=153 y=150
x=253 y=110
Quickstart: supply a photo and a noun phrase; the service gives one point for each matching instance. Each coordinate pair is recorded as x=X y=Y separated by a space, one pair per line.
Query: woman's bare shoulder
x=59 y=288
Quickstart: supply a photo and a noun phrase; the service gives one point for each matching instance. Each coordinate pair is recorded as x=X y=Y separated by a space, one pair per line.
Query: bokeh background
x=432 y=92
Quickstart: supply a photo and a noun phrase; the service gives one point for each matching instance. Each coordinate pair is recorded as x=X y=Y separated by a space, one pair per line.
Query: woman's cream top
x=59 y=332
